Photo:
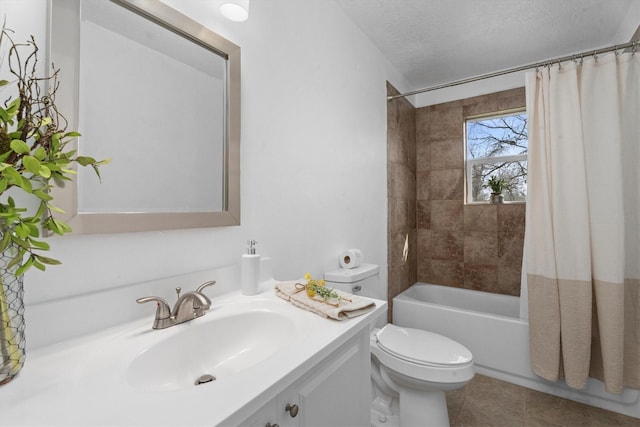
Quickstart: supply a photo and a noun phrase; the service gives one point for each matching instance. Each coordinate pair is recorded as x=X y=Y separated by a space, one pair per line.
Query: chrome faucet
x=189 y=306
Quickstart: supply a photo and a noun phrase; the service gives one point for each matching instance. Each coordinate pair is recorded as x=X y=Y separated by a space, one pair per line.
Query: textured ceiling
x=438 y=41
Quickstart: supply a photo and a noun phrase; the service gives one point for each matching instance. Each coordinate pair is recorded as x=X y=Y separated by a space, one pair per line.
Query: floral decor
x=33 y=156
x=315 y=287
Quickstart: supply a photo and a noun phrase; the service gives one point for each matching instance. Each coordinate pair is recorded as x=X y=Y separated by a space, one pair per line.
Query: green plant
x=496 y=185
x=33 y=156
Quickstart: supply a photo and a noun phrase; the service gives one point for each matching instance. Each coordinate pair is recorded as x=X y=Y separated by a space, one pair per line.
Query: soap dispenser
x=250 y=270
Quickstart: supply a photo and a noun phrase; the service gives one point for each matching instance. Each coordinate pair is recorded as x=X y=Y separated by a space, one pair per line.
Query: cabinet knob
x=292 y=409
x=271 y=425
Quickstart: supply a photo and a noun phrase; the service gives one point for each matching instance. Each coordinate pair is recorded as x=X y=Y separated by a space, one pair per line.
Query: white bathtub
x=490 y=326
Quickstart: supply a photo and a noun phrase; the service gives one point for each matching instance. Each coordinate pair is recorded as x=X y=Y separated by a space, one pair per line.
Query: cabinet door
x=288 y=410
x=337 y=392
x=267 y=415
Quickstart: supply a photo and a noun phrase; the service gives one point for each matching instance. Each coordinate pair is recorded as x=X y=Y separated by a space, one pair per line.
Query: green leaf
x=71 y=134
x=41 y=208
x=42 y=195
x=22 y=230
x=20 y=242
x=85 y=160
x=97 y=171
x=4 y=243
x=50 y=224
x=24 y=267
x=62 y=226
x=58 y=227
x=37 y=264
x=14 y=106
x=40 y=153
x=46 y=260
x=45 y=172
x=44 y=246
x=3 y=185
x=55 y=142
x=26 y=186
x=13 y=175
x=32 y=165
x=55 y=208
x=19 y=146
x=34 y=231
x=16 y=260
x=4 y=82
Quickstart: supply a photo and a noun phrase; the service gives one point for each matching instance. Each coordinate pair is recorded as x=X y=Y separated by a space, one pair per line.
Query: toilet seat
x=423 y=348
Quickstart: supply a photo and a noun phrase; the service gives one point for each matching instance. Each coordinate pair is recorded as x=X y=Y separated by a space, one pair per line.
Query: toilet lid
x=422 y=347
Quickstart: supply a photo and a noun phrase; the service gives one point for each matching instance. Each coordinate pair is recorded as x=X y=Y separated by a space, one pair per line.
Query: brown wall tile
x=423 y=214
x=446 y=122
x=508 y=281
x=481 y=218
x=423 y=156
x=401 y=190
x=447 y=154
x=480 y=277
x=511 y=218
x=424 y=245
x=510 y=250
x=449 y=273
x=423 y=124
x=447 y=184
x=477 y=246
x=423 y=185
x=446 y=215
x=447 y=245
x=481 y=247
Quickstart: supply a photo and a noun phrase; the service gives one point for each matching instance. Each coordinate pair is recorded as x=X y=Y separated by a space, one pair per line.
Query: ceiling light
x=235 y=10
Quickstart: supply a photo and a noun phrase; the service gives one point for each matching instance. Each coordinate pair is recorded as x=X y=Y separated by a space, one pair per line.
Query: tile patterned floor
x=486 y=402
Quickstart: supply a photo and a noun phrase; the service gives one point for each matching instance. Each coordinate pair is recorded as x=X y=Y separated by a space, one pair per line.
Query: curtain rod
x=632 y=44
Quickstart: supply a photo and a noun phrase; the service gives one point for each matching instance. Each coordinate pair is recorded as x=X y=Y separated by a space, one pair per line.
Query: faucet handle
x=204 y=285
x=163 y=312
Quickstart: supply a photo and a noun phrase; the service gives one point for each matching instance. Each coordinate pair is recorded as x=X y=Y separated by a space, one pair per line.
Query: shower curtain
x=582 y=238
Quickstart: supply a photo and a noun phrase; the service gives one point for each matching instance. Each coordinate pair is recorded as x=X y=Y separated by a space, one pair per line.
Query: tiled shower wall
x=432 y=235
x=476 y=246
x=401 y=190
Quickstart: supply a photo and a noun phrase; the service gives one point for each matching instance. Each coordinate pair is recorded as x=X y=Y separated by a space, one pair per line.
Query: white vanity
x=274 y=364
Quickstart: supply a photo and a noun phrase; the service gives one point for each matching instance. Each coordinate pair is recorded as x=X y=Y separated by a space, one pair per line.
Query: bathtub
x=490 y=326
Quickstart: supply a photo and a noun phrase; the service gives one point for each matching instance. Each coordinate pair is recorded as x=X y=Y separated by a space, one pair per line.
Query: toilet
x=411 y=369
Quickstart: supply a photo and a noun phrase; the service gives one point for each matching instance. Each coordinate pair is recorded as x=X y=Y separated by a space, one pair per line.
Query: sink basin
x=218 y=348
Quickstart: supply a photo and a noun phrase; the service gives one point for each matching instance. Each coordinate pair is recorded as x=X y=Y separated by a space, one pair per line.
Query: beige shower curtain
x=583 y=221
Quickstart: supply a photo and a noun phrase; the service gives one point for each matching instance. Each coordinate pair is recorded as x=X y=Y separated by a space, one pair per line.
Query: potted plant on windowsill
x=497 y=185
x=33 y=157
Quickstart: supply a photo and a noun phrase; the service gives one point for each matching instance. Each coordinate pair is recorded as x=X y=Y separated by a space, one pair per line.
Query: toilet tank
x=361 y=280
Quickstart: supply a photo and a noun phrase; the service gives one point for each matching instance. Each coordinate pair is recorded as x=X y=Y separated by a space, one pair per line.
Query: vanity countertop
x=87 y=381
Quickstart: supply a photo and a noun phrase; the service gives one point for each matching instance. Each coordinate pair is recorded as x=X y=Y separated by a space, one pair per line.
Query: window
x=497 y=147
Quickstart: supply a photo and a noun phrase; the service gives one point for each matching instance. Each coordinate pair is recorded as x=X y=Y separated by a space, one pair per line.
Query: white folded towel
x=350 y=306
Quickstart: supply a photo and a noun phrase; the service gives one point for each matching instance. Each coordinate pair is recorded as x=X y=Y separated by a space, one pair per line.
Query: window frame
x=469 y=163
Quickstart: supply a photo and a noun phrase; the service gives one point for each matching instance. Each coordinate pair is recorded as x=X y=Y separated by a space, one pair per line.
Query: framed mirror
x=159 y=94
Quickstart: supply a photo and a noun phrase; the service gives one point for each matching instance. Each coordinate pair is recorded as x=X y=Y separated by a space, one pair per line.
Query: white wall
x=313 y=156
